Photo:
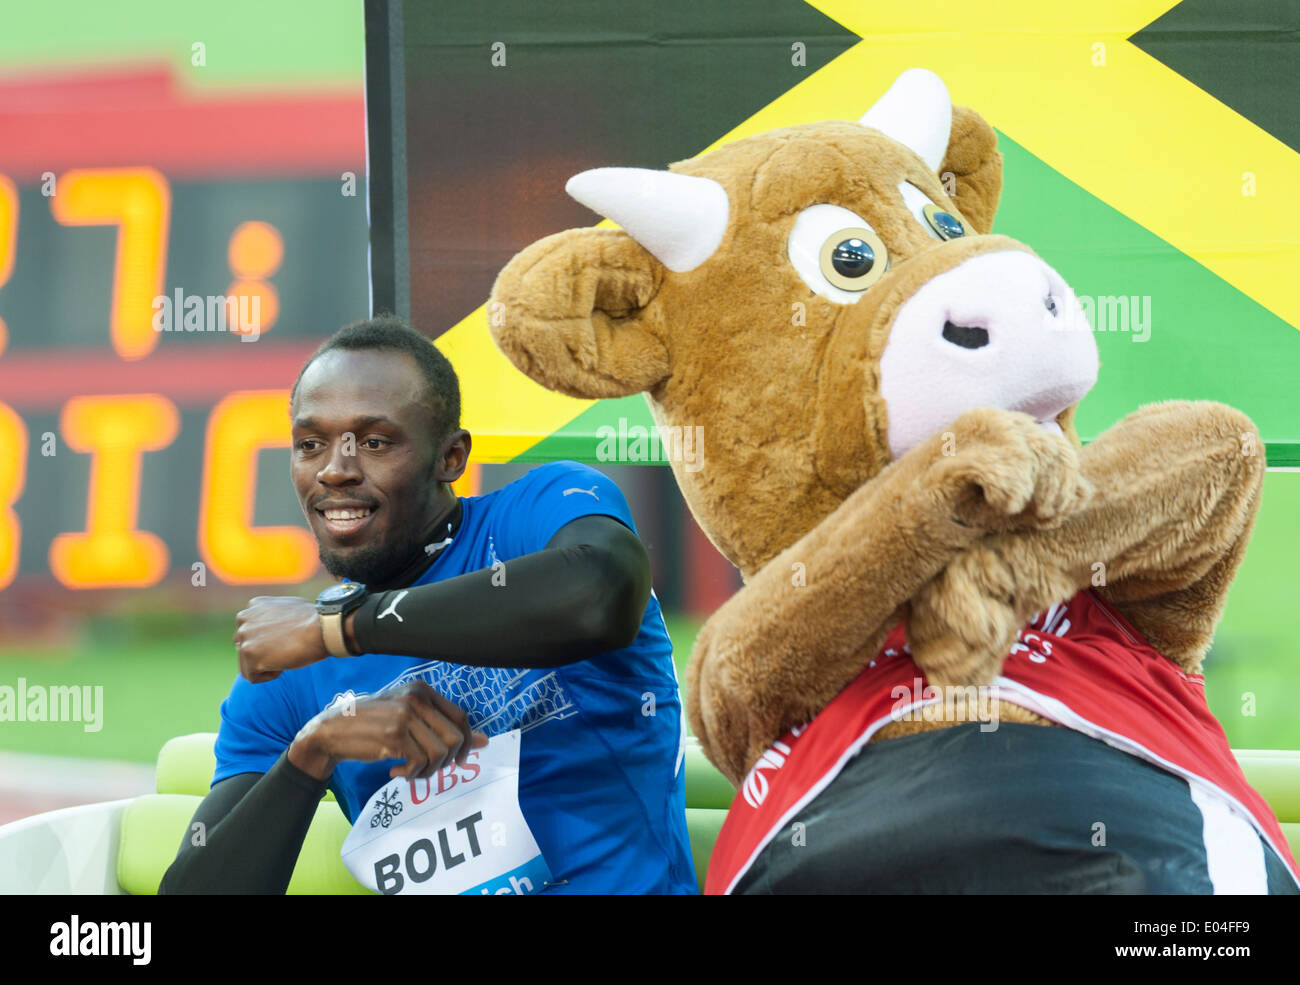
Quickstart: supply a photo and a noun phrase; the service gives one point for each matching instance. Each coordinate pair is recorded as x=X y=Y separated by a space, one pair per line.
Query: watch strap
x=331 y=627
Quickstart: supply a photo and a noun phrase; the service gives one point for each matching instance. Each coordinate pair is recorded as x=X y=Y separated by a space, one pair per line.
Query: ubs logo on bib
x=445 y=779
x=387 y=807
x=460 y=830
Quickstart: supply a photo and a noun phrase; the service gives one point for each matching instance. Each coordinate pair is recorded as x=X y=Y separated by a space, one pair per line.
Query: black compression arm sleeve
x=253 y=828
x=584 y=595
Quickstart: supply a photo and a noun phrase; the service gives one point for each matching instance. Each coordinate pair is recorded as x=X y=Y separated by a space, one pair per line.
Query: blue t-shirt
x=601 y=764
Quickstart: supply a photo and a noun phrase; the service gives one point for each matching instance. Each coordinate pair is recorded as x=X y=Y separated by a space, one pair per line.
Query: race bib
x=458 y=832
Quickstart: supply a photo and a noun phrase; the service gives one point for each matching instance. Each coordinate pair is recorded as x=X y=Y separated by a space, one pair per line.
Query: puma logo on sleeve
x=392 y=608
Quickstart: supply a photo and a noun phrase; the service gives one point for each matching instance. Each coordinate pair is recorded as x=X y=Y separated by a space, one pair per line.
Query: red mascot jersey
x=1079 y=664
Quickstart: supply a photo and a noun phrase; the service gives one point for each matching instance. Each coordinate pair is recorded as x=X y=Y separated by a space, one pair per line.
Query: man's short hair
x=388 y=331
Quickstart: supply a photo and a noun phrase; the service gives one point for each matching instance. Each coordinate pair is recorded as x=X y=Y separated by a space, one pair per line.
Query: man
x=529 y=608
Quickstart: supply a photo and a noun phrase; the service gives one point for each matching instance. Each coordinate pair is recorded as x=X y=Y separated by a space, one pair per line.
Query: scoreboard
x=166 y=266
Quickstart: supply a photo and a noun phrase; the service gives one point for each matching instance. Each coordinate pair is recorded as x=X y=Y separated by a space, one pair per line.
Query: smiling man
x=524 y=617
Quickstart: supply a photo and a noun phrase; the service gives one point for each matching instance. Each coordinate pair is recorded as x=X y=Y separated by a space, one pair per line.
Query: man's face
x=369 y=497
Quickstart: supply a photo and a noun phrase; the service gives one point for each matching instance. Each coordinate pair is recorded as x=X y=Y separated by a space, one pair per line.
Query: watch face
x=337 y=593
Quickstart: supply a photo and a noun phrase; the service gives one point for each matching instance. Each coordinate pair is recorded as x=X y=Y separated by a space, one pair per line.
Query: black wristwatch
x=333 y=604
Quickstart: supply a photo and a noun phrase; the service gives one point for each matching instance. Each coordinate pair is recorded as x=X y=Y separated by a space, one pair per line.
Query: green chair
x=1275 y=774
x=126 y=845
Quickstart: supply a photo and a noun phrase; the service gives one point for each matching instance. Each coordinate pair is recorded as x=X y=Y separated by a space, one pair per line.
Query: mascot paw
x=1004 y=470
x=964 y=621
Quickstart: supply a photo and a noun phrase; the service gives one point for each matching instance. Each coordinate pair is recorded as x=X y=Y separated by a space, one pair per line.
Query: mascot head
x=819 y=299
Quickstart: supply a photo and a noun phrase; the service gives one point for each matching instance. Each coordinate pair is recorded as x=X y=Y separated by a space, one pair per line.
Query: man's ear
x=453 y=457
x=973 y=160
x=574 y=312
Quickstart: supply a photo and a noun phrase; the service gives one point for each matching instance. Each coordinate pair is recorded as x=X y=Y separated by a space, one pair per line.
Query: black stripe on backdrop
x=505 y=101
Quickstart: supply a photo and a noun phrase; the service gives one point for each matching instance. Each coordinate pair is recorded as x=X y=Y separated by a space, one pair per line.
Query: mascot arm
x=1197 y=472
x=1177 y=490
x=810 y=619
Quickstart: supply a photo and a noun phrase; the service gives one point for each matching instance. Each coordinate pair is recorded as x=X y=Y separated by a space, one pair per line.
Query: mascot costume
x=967 y=653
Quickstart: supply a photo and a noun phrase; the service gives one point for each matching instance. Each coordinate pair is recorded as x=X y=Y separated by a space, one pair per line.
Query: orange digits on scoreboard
x=255 y=252
x=8 y=239
x=138 y=202
x=13 y=433
x=240 y=426
x=13 y=465
x=115 y=431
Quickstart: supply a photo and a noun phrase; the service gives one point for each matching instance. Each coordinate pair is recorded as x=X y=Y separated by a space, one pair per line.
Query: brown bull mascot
x=967 y=653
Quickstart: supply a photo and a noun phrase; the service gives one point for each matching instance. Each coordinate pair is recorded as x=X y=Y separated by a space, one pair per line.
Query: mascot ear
x=574 y=313
x=973 y=160
x=915 y=111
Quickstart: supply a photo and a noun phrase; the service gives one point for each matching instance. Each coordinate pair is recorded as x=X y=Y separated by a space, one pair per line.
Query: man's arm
x=584 y=594
x=254 y=824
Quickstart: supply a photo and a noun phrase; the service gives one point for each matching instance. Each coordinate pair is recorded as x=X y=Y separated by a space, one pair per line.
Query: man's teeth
x=346 y=514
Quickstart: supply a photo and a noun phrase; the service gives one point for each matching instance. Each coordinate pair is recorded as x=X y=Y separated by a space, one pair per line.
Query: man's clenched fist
x=277 y=633
x=413 y=723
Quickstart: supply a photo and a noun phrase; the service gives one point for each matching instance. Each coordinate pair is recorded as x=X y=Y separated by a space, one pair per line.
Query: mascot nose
x=966 y=336
x=1000 y=329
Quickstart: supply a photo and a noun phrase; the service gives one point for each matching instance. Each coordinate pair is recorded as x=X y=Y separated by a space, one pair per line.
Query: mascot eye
x=947 y=225
x=836 y=252
x=853 y=259
x=939 y=222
